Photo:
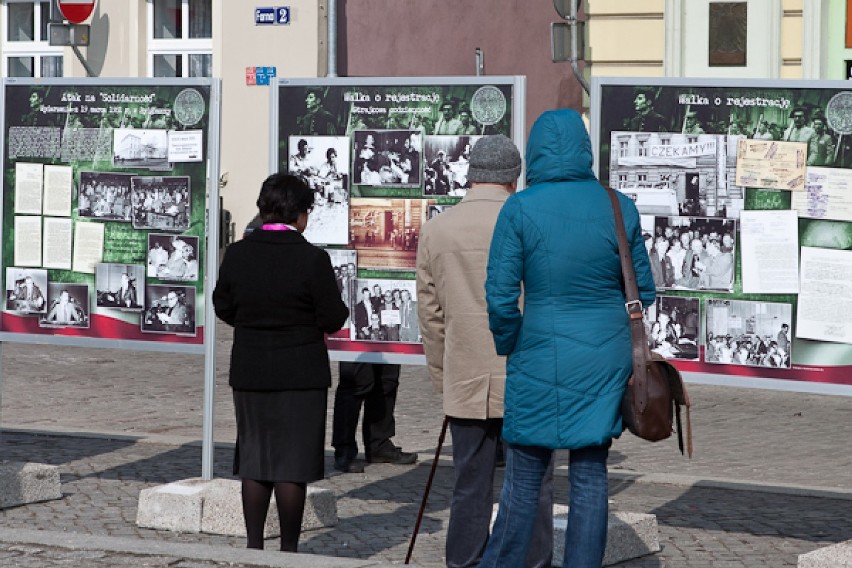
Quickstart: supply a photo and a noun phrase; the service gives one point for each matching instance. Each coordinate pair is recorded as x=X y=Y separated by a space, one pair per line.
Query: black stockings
x=290 y=498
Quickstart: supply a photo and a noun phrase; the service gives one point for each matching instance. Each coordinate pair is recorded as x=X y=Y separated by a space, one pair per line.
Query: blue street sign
x=264 y=16
x=282 y=15
x=264 y=74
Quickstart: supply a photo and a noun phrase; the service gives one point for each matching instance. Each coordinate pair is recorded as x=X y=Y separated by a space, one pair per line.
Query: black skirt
x=280 y=435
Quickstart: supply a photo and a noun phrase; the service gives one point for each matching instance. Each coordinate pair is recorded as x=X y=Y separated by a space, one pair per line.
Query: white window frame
x=182 y=47
x=36 y=49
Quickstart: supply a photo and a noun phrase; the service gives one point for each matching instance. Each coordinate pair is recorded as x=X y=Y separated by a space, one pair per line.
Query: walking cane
x=428 y=488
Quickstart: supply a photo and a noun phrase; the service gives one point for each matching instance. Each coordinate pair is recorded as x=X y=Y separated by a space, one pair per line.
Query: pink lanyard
x=277 y=227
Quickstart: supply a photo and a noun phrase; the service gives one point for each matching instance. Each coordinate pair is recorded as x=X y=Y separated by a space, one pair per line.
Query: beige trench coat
x=452 y=258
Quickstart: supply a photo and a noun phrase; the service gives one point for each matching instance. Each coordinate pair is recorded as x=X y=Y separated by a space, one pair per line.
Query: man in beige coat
x=451 y=267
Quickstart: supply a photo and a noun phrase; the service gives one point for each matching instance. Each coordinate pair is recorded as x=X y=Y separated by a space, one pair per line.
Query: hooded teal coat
x=569 y=352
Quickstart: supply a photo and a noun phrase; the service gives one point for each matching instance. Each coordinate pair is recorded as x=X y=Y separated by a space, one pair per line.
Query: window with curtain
x=25 y=48
x=180 y=39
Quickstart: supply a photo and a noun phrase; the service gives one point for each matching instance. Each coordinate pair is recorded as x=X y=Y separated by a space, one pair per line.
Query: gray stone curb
x=201 y=552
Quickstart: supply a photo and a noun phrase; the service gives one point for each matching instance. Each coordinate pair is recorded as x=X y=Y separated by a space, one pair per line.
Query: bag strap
x=633 y=307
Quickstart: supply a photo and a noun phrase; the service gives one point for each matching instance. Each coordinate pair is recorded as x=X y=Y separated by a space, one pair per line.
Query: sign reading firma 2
x=279 y=15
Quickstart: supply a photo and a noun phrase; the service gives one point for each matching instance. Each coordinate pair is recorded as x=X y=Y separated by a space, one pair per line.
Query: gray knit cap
x=494 y=159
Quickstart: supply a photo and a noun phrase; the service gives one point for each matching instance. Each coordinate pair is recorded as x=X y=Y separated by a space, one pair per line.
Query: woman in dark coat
x=279 y=293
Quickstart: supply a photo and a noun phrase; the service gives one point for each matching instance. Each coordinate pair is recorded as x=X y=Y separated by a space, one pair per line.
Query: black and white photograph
x=173 y=257
x=679 y=173
x=169 y=309
x=385 y=310
x=68 y=305
x=446 y=165
x=104 y=196
x=433 y=209
x=26 y=290
x=120 y=286
x=674 y=324
x=386 y=231
x=387 y=157
x=345 y=263
x=754 y=334
x=323 y=162
x=140 y=148
x=691 y=253
x=160 y=202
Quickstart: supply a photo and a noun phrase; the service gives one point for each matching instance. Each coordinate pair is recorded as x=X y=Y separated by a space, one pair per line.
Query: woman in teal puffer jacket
x=569 y=352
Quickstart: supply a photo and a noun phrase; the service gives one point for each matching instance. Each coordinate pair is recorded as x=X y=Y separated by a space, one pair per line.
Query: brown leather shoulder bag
x=655 y=392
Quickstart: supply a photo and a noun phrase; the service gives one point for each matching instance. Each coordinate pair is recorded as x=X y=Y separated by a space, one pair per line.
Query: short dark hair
x=283 y=197
x=329 y=152
x=302 y=143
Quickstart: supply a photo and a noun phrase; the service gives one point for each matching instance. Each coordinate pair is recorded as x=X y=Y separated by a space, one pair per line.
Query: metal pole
x=332 y=39
x=575 y=50
x=480 y=62
x=89 y=72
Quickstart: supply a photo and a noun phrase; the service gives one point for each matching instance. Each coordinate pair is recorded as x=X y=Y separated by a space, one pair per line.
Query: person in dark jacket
x=569 y=350
x=279 y=293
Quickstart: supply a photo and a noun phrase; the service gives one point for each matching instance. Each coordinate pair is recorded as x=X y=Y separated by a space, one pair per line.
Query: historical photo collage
x=734 y=187
x=103 y=229
x=382 y=161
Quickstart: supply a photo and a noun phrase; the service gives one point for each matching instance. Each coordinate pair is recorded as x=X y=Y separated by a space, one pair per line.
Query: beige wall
x=116 y=41
x=628 y=37
x=295 y=51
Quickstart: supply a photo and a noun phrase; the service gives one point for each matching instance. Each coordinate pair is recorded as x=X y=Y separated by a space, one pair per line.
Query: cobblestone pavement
x=151 y=406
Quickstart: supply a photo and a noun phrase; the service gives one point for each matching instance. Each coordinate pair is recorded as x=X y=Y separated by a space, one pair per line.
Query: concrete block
x=172 y=507
x=25 y=482
x=629 y=535
x=215 y=507
x=835 y=556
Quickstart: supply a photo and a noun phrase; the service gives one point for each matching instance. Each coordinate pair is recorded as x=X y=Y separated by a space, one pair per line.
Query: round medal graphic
x=189 y=107
x=488 y=105
x=838 y=112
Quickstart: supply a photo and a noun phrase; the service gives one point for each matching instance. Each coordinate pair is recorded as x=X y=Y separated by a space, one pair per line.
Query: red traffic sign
x=76 y=11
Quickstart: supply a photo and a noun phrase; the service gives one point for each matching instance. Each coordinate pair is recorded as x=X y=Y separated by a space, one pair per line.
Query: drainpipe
x=332 y=38
x=576 y=40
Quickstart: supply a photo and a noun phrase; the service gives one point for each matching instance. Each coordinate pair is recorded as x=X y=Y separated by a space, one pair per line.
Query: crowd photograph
x=387 y=157
x=446 y=165
x=691 y=253
x=104 y=196
x=673 y=325
x=386 y=231
x=120 y=286
x=160 y=202
x=754 y=334
x=68 y=305
x=323 y=163
x=169 y=309
x=25 y=290
x=386 y=310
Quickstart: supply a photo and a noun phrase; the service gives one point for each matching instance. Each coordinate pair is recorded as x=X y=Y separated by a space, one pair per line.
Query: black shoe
x=393 y=455
x=347 y=465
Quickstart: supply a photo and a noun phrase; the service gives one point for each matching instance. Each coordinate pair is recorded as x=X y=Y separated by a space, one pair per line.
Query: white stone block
x=23 y=482
x=195 y=505
x=629 y=535
x=835 y=556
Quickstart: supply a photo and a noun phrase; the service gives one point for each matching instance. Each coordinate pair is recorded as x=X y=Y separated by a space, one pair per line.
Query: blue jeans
x=585 y=537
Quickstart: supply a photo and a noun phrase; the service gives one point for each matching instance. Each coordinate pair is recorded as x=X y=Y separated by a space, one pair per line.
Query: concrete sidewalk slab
x=23 y=482
x=182 y=551
x=836 y=556
x=215 y=507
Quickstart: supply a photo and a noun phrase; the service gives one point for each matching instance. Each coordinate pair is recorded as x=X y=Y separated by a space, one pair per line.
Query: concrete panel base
x=23 y=482
x=835 y=556
x=629 y=535
x=215 y=507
